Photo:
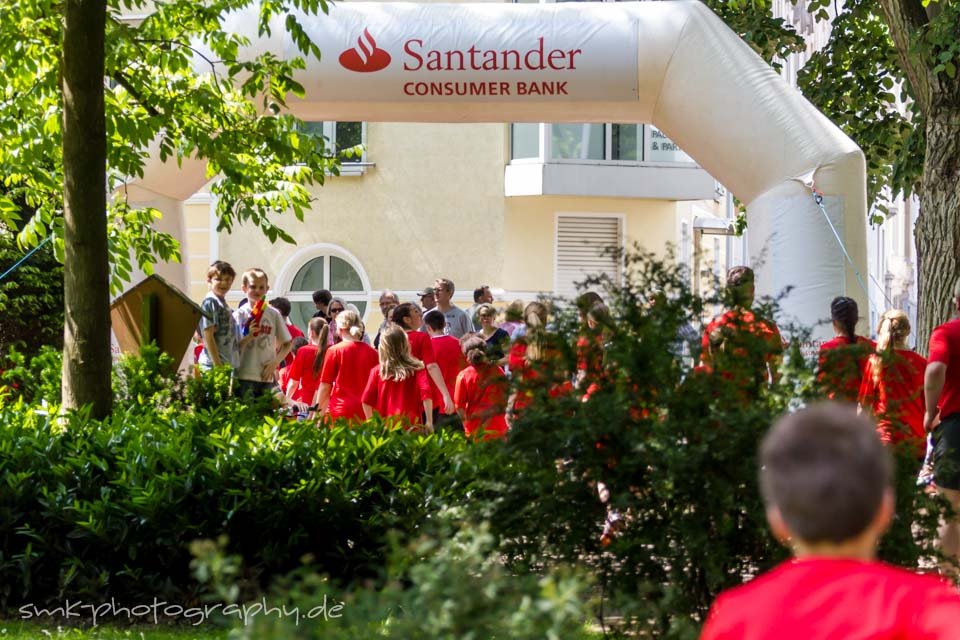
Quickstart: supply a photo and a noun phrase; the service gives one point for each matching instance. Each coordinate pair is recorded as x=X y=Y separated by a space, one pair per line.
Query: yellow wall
x=432 y=207
x=530 y=232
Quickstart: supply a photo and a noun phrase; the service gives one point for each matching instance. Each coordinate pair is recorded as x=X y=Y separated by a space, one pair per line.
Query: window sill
x=594 y=179
x=354 y=169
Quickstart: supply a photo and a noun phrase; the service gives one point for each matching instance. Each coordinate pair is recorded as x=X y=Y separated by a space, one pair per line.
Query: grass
x=23 y=630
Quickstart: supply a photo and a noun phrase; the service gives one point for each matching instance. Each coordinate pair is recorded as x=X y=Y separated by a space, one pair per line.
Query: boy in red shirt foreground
x=826 y=481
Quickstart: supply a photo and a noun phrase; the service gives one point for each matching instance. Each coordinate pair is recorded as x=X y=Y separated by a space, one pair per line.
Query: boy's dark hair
x=435 y=320
x=826 y=471
x=282 y=305
x=739 y=276
x=322 y=296
x=478 y=292
x=221 y=268
x=740 y=285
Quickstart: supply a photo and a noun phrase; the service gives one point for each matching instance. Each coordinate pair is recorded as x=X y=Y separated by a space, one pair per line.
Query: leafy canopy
x=177 y=81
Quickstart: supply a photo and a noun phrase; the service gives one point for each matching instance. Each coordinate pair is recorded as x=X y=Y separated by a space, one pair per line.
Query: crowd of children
x=434 y=364
x=430 y=368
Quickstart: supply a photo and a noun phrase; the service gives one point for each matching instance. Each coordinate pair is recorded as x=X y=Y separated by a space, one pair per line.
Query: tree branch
x=123 y=82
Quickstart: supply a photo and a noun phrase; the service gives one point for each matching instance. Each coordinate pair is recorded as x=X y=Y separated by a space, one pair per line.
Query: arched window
x=322 y=267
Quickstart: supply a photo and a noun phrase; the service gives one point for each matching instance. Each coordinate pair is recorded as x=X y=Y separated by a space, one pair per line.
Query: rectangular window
x=611 y=142
x=626 y=142
x=660 y=148
x=587 y=246
x=346 y=138
x=524 y=140
x=577 y=141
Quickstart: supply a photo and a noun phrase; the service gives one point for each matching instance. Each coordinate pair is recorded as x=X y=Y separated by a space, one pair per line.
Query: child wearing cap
x=826 y=481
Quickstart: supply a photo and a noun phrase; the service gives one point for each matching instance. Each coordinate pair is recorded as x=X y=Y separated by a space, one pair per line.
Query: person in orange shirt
x=408 y=317
x=533 y=362
x=345 y=371
x=303 y=375
x=399 y=387
x=892 y=386
x=450 y=360
x=753 y=344
x=841 y=360
x=827 y=480
x=480 y=392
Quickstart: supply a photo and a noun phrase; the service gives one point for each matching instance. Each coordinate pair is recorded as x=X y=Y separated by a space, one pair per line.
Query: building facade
x=527 y=209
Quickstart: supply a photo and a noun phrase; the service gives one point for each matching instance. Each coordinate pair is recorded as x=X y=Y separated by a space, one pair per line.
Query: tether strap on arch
x=19 y=262
x=818 y=198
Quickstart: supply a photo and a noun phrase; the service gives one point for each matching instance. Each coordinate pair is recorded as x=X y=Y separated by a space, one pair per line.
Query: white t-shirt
x=263 y=349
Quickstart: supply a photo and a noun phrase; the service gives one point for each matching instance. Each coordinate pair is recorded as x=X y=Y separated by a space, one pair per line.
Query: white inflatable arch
x=671 y=64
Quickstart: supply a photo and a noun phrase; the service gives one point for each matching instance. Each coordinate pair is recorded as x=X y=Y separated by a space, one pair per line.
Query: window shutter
x=586 y=246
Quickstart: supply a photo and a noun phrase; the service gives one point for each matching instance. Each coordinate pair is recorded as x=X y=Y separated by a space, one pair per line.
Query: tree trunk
x=938 y=225
x=86 y=333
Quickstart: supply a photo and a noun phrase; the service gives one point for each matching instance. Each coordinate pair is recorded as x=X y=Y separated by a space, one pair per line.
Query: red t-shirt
x=421 y=347
x=294 y=333
x=830 y=598
x=302 y=370
x=530 y=375
x=840 y=366
x=347 y=368
x=945 y=348
x=450 y=359
x=402 y=398
x=481 y=393
x=742 y=325
x=896 y=395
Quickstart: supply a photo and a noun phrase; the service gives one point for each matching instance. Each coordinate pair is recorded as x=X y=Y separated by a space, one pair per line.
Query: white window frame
x=353 y=167
x=581 y=214
x=546 y=148
x=323 y=250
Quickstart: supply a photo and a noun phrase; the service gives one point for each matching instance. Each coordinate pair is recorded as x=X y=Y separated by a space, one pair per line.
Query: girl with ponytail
x=480 y=393
x=399 y=387
x=304 y=373
x=892 y=384
x=842 y=359
x=345 y=370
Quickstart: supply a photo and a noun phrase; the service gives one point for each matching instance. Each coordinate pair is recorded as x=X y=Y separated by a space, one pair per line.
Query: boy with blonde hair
x=266 y=340
x=826 y=480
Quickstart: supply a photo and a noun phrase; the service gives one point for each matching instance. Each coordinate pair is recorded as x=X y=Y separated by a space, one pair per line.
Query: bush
x=458 y=588
x=675 y=448
x=109 y=508
x=33 y=378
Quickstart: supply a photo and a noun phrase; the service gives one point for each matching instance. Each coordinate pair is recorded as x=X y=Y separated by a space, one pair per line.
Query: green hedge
x=109 y=508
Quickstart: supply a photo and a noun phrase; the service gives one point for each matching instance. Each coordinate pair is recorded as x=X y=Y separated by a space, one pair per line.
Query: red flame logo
x=365 y=57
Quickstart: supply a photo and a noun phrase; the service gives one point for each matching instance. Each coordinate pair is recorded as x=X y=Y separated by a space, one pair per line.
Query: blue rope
x=819 y=199
x=24 y=258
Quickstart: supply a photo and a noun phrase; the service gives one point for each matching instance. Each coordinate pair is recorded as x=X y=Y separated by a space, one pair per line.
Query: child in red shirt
x=481 y=393
x=399 y=386
x=303 y=375
x=826 y=479
x=450 y=360
x=892 y=385
x=408 y=317
x=346 y=370
x=841 y=359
